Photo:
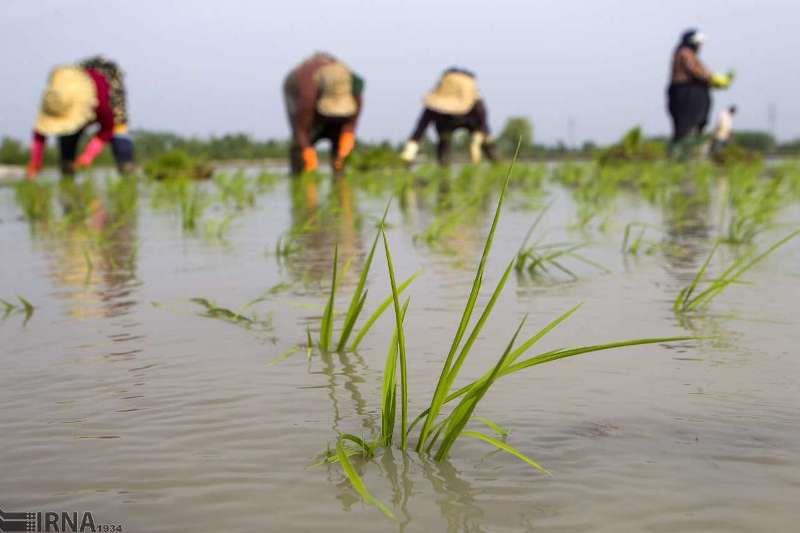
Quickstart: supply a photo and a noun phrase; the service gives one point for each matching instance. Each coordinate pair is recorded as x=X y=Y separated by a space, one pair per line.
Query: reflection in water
x=455 y=497
x=317 y=226
x=686 y=211
x=91 y=249
x=351 y=367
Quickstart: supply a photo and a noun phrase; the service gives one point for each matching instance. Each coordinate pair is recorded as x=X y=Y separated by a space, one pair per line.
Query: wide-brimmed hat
x=455 y=94
x=335 y=82
x=68 y=102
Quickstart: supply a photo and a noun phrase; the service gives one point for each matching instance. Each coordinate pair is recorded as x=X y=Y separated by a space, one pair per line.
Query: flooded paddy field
x=161 y=375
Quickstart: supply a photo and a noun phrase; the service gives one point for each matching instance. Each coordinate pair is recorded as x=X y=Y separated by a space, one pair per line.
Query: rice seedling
x=285 y=246
x=35 y=199
x=24 y=307
x=212 y=310
x=752 y=207
x=701 y=291
x=633 y=241
x=215 y=229
x=192 y=203
x=539 y=260
x=357 y=301
x=542 y=260
x=235 y=189
x=444 y=429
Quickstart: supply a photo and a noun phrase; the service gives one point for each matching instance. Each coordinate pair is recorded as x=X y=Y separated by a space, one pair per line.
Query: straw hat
x=455 y=94
x=68 y=102
x=336 y=91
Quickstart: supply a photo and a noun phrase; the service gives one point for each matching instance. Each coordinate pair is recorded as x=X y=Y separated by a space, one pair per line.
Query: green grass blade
x=683 y=297
x=547 y=357
x=524 y=347
x=367 y=449
x=356 y=303
x=8 y=307
x=380 y=310
x=494 y=426
x=401 y=347
x=440 y=392
x=309 y=342
x=532 y=228
x=358 y=483
x=350 y=321
x=326 y=326
x=463 y=411
x=506 y=448
x=734 y=272
x=554 y=355
x=389 y=388
x=487 y=311
x=27 y=308
x=284 y=356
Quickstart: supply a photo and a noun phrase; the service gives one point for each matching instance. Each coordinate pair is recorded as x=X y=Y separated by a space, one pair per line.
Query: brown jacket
x=687 y=67
x=301 y=91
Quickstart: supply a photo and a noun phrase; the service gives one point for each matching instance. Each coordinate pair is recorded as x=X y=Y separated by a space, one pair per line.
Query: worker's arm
x=480 y=140
x=301 y=97
x=693 y=65
x=347 y=137
x=411 y=148
x=36 y=161
x=104 y=115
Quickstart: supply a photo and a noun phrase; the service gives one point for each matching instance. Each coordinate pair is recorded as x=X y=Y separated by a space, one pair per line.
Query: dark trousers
x=323 y=127
x=476 y=120
x=689 y=105
x=121 y=148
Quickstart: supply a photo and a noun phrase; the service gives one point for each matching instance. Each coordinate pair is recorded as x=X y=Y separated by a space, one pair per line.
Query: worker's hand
x=410 y=151
x=347 y=141
x=721 y=81
x=309 y=159
x=475 y=146
x=33 y=170
x=92 y=150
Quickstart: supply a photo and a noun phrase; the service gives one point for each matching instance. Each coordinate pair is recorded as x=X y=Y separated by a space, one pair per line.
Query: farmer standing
x=453 y=104
x=323 y=101
x=76 y=97
x=689 y=95
x=723 y=130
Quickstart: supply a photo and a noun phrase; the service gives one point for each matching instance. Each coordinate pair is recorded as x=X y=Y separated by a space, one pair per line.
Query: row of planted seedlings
x=204 y=206
x=450 y=413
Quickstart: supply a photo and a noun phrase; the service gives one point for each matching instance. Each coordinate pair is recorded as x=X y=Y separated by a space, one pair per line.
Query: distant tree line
x=240 y=146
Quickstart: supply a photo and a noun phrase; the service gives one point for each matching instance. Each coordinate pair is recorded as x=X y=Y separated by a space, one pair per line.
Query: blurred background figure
x=76 y=97
x=723 y=130
x=689 y=95
x=323 y=101
x=455 y=103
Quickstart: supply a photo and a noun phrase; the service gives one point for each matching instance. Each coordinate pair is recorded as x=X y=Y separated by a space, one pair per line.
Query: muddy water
x=118 y=398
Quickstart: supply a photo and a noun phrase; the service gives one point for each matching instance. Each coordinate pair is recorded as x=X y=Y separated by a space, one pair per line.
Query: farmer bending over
x=76 y=97
x=454 y=103
x=323 y=101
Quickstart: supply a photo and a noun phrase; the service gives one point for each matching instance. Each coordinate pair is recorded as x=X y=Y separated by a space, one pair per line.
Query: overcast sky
x=209 y=67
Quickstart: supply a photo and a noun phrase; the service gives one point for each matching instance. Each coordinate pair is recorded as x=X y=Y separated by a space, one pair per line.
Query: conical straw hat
x=455 y=94
x=335 y=84
x=68 y=102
